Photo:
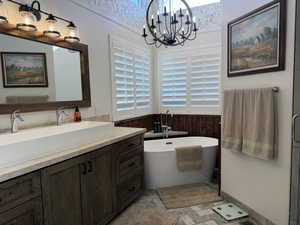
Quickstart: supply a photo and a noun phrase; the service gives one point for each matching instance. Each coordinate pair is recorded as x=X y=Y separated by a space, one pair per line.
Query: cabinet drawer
x=129 y=191
x=130 y=145
x=29 y=213
x=19 y=190
x=130 y=165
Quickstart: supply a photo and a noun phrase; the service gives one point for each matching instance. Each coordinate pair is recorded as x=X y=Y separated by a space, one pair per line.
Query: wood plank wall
x=138 y=122
x=196 y=125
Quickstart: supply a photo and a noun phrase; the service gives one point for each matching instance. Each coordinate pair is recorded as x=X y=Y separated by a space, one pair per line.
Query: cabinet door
x=98 y=188
x=29 y=213
x=61 y=186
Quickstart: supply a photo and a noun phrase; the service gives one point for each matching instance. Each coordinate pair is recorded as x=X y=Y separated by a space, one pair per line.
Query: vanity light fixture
x=51 y=32
x=3 y=16
x=73 y=33
x=31 y=14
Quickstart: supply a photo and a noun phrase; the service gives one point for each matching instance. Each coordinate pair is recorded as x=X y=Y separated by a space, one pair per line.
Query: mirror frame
x=11 y=30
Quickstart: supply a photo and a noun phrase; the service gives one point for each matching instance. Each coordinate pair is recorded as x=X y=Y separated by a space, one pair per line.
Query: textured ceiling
x=131 y=13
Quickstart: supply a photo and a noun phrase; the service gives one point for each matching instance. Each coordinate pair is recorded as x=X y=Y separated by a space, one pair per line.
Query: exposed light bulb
x=73 y=34
x=3 y=14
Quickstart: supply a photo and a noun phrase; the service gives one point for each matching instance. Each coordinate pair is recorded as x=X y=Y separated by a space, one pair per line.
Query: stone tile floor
x=196 y=215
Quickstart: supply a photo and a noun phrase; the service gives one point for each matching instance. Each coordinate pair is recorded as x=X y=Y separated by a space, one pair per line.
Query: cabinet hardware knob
x=131 y=189
x=130 y=145
x=84 y=168
x=131 y=164
x=90 y=166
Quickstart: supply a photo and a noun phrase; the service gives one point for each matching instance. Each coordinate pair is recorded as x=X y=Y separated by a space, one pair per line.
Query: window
x=190 y=81
x=177 y=4
x=131 y=79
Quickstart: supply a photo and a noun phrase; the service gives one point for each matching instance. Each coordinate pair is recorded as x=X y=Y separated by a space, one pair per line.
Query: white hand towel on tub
x=232 y=131
x=189 y=158
x=259 y=123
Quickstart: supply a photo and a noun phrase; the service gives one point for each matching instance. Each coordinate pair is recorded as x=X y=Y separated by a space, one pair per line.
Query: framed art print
x=256 y=41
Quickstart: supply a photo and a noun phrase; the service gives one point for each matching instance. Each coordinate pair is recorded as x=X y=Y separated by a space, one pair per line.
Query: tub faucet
x=59 y=115
x=165 y=127
x=13 y=117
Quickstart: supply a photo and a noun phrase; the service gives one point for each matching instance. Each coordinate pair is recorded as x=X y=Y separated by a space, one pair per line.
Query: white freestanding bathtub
x=161 y=167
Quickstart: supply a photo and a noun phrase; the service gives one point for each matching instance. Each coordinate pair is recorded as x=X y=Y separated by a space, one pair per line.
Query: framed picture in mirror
x=21 y=70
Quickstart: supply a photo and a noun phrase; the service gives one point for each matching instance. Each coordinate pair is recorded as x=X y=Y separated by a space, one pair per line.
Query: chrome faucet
x=165 y=127
x=13 y=120
x=59 y=115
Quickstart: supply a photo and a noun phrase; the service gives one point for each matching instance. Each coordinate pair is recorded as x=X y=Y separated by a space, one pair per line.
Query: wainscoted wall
x=196 y=125
x=139 y=122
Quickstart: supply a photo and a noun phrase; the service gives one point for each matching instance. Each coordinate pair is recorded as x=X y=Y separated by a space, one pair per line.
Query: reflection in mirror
x=33 y=72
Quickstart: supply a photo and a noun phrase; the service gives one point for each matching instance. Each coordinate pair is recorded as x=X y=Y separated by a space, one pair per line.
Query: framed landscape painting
x=256 y=41
x=24 y=70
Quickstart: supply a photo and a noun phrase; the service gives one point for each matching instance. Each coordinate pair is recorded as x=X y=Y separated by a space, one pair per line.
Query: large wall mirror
x=37 y=73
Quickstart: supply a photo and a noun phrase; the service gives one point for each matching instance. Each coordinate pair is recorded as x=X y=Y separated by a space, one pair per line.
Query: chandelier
x=169 y=28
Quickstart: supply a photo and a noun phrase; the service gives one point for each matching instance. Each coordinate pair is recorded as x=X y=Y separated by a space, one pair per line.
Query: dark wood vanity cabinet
x=62 y=198
x=80 y=191
x=29 y=213
x=93 y=188
x=20 y=201
x=130 y=170
x=87 y=190
x=98 y=188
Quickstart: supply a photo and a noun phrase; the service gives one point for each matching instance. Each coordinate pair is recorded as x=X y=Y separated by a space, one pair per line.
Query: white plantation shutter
x=131 y=79
x=123 y=64
x=190 y=80
x=143 y=81
x=205 y=80
x=174 y=81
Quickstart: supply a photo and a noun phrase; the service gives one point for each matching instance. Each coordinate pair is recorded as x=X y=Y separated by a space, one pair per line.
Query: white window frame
x=135 y=49
x=188 y=109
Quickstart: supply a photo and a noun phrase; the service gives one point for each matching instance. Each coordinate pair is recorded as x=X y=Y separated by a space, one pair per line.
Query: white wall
x=94 y=31
x=262 y=185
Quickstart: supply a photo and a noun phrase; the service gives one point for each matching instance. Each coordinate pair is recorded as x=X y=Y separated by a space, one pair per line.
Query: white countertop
x=119 y=134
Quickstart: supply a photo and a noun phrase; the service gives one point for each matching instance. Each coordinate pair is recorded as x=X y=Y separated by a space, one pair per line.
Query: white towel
x=259 y=123
x=232 y=127
x=189 y=158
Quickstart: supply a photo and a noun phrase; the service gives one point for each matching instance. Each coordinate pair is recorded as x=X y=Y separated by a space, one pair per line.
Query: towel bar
x=275 y=89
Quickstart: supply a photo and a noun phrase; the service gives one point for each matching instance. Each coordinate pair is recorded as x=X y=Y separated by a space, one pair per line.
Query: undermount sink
x=35 y=143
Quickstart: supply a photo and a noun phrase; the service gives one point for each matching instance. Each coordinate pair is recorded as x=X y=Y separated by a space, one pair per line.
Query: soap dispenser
x=77 y=115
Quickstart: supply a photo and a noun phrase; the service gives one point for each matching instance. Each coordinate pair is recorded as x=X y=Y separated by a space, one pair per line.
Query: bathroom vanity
x=72 y=174
x=88 y=184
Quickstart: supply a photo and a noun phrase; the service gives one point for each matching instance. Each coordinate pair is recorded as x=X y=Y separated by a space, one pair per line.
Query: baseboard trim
x=256 y=217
